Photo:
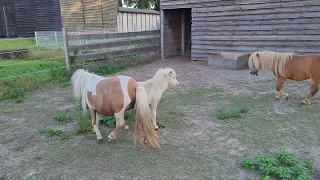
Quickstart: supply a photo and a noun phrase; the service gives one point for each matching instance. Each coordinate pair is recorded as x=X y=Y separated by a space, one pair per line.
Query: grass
x=16 y=85
x=53 y=72
x=282 y=165
x=17 y=44
x=49 y=132
x=63 y=118
x=233 y=112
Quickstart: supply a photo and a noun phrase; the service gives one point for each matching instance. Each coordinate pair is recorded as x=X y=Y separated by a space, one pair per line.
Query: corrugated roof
x=135 y=10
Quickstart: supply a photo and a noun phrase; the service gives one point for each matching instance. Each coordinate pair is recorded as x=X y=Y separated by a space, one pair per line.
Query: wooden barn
x=21 y=18
x=210 y=27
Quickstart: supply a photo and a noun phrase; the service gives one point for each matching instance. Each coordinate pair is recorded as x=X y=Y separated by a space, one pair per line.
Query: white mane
x=160 y=76
x=159 y=83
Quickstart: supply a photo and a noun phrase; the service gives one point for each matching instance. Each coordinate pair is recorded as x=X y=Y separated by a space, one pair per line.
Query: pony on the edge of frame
x=112 y=96
x=288 y=66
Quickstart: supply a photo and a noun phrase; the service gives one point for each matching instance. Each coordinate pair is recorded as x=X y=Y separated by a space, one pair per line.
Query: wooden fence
x=112 y=47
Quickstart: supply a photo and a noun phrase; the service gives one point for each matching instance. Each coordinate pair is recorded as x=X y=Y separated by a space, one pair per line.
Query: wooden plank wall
x=48 y=15
x=26 y=17
x=110 y=11
x=248 y=26
x=7 y=20
x=172 y=32
x=135 y=22
x=35 y=15
x=89 y=15
x=73 y=14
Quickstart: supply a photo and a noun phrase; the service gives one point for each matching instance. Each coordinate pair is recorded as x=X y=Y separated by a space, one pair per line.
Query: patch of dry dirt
x=203 y=147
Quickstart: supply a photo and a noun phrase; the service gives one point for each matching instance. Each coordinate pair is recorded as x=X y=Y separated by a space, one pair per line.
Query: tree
x=120 y=3
x=143 y=4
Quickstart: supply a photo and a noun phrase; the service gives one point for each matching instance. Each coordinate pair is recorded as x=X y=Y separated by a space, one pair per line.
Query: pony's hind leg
x=95 y=117
x=314 y=90
x=279 y=87
x=121 y=124
x=118 y=124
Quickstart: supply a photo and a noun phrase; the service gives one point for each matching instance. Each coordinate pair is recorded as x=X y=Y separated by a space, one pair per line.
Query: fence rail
x=112 y=46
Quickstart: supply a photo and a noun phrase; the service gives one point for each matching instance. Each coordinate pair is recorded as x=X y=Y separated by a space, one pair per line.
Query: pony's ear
x=257 y=54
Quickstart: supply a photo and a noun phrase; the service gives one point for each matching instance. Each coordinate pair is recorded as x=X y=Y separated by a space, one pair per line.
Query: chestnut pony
x=288 y=66
x=112 y=96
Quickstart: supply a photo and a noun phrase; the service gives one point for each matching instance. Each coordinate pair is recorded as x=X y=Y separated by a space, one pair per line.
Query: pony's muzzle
x=254 y=72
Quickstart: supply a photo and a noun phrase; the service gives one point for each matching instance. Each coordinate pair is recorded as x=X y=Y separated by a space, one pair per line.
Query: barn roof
x=135 y=10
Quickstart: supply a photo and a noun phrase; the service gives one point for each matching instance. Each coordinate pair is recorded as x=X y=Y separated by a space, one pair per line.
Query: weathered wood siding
x=251 y=25
x=35 y=15
x=73 y=14
x=8 y=27
x=48 y=15
x=135 y=20
x=89 y=14
x=172 y=33
x=25 y=17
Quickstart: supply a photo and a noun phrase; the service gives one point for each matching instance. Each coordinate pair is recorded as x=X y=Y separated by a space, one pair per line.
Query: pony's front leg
x=314 y=90
x=154 y=114
x=121 y=125
x=94 y=119
x=279 y=88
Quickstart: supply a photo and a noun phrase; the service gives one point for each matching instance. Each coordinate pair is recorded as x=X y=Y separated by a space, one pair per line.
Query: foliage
x=110 y=121
x=234 y=112
x=63 y=118
x=283 y=165
x=143 y=4
x=52 y=132
x=84 y=123
x=120 y=3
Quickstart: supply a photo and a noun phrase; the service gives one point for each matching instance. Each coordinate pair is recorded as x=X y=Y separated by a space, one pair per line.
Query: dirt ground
x=195 y=143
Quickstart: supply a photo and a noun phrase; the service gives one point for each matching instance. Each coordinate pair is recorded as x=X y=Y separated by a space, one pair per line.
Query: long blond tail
x=144 y=127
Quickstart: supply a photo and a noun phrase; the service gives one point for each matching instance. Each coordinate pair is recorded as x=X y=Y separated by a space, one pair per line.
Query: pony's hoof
x=287 y=98
x=99 y=141
x=305 y=102
x=156 y=129
x=126 y=127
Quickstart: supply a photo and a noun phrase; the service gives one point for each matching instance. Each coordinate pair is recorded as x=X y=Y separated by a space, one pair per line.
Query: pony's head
x=170 y=76
x=254 y=63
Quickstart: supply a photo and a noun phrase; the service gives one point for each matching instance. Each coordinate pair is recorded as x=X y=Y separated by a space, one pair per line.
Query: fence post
x=56 y=38
x=36 y=37
x=66 y=46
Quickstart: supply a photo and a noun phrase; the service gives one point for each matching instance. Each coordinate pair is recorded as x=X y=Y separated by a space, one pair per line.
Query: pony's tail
x=79 y=81
x=144 y=129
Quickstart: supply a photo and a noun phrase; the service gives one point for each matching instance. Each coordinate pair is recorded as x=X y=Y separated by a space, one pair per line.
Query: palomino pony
x=113 y=96
x=288 y=66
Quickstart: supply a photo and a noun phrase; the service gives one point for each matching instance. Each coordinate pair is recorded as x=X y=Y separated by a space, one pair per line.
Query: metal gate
x=8 y=25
